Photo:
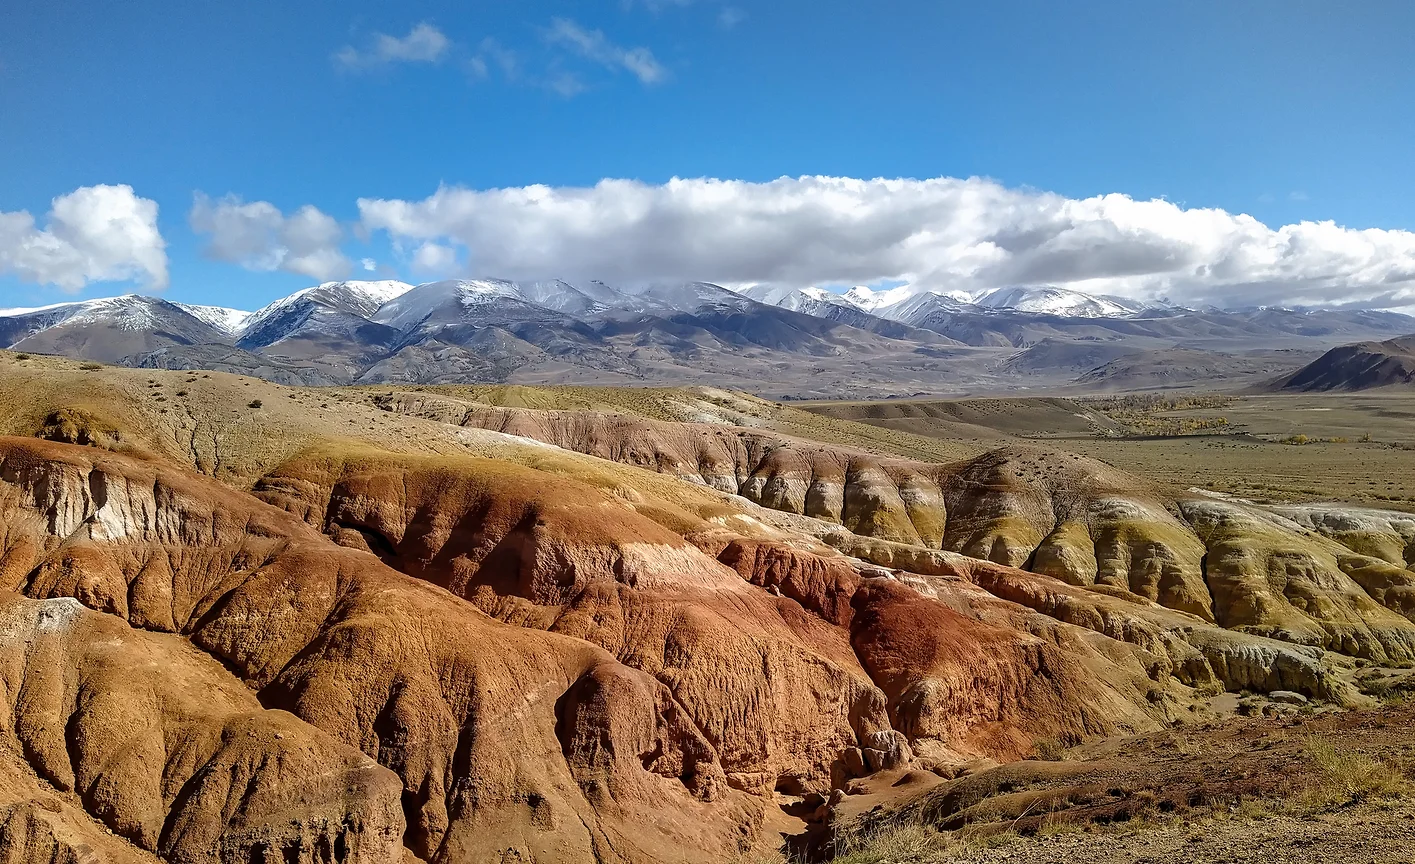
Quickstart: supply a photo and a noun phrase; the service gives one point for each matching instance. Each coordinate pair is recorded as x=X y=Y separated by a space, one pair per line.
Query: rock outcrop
x=1049 y=512
x=168 y=750
x=371 y=654
x=507 y=740
x=648 y=681
x=1267 y=578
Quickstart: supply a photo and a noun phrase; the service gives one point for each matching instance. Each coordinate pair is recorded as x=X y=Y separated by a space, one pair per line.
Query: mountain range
x=805 y=342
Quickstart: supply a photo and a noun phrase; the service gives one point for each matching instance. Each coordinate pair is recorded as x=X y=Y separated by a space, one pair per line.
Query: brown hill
x=1361 y=366
x=1183 y=367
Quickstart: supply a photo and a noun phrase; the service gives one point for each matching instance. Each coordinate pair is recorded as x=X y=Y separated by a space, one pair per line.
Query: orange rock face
x=165 y=748
x=505 y=738
x=372 y=655
x=775 y=689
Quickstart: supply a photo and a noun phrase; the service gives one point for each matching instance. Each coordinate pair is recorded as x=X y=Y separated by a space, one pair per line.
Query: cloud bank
x=941 y=234
x=94 y=234
x=259 y=237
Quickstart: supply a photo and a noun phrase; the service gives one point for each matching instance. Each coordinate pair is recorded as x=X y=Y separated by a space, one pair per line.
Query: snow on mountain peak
x=872 y=299
x=361 y=298
x=127 y=312
x=1057 y=301
x=820 y=295
x=225 y=321
x=796 y=299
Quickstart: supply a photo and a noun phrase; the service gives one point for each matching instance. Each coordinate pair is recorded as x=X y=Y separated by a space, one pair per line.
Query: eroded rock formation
x=504 y=663
x=505 y=738
x=1054 y=513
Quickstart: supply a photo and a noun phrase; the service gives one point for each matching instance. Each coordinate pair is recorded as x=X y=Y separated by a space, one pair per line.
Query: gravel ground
x=1358 y=835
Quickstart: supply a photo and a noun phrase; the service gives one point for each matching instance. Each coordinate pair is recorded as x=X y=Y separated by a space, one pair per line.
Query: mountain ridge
x=792 y=341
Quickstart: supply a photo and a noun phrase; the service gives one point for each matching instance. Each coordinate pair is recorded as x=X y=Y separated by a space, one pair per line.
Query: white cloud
x=435 y=259
x=368 y=264
x=594 y=46
x=423 y=44
x=943 y=233
x=730 y=17
x=258 y=236
x=95 y=234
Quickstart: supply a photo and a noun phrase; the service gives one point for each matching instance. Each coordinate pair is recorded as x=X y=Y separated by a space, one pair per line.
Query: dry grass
x=911 y=842
x=1049 y=749
x=899 y=843
x=1346 y=776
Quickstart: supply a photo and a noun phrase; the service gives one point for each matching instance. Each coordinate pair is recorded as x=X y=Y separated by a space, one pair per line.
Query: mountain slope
x=1357 y=367
x=106 y=329
x=1175 y=367
x=1057 y=301
x=802 y=343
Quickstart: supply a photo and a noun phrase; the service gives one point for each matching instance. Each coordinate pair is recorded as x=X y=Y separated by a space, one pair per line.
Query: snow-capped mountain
x=459 y=301
x=876 y=301
x=499 y=330
x=1058 y=301
x=107 y=328
x=917 y=308
x=359 y=298
x=808 y=300
x=821 y=303
x=228 y=321
x=129 y=311
x=328 y=309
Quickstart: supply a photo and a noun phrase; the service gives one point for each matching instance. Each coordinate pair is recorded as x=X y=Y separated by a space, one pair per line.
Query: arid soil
x=1362 y=835
x=1283 y=789
x=242 y=622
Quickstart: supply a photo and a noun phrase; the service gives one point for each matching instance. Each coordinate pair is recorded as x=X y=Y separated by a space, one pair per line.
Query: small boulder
x=1287 y=697
x=854 y=762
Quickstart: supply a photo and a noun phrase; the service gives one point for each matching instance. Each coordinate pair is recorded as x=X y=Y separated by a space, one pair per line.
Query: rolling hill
x=1362 y=366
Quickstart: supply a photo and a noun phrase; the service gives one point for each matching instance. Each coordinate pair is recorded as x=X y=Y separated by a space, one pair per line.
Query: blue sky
x=1287 y=111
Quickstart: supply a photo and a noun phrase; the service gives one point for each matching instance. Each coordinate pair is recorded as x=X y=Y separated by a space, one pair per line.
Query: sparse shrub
x=254 y=403
x=902 y=843
x=1295 y=440
x=90 y=367
x=1252 y=809
x=1347 y=776
x=1365 y=439
x=181 y=392
x=1049 y=749
x=21 y=356
x=1055 y=823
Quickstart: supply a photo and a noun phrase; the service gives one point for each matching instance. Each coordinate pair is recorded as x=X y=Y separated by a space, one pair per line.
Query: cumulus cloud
x=423 y=44
x=940 y=234
x=435 y=259
x=595 y=46
x=94 y=234
x=258 y=236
